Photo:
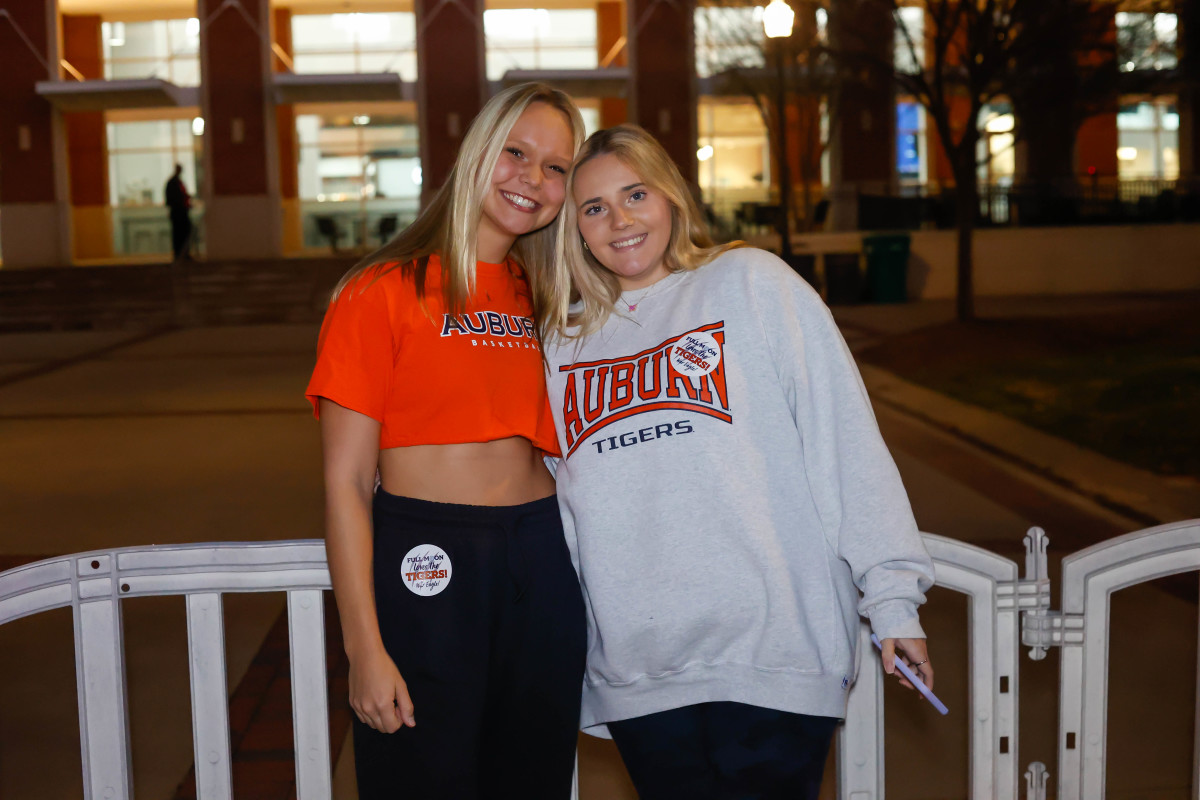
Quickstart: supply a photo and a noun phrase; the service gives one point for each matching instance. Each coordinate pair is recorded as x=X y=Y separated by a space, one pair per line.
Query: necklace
x=648 y=293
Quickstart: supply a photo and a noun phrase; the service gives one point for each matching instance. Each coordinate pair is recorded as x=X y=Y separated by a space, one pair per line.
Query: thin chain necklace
x=649 y=292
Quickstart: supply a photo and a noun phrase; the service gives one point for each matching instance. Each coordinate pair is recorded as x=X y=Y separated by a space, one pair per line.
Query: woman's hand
x=378 y=695
x=914 y=653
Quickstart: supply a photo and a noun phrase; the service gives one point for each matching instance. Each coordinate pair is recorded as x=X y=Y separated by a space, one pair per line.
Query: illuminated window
x=589 y=109
x=142 y=153
x=910 y=48
x=168 y=49
x=350 y=43
x=997 y=151
x=728 y=38
x=1147 y=41
x=539 y=38
x=359 y=168
x=1148 y=140
x=911 y=162
x=737 y=168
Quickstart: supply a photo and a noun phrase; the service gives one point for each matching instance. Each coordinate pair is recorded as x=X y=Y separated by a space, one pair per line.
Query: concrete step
x=148 y=296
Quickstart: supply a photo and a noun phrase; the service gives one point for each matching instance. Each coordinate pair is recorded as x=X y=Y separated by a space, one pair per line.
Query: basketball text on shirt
x=683 y=373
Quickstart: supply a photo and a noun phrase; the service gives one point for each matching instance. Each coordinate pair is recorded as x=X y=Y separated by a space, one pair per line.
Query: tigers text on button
x=427 y=570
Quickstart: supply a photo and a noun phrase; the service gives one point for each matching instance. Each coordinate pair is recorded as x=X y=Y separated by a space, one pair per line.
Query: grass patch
x=1126 y=385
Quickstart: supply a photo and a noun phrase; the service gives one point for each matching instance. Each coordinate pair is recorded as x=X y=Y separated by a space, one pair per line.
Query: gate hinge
x=1036 y=778
x=1031 y=593
x=1041 y=630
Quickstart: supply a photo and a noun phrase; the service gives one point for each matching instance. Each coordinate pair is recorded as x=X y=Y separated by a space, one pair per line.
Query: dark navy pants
x=725 y=751
x=481 y=610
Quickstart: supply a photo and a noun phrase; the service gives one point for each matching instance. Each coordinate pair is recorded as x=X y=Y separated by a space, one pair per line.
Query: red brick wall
x=28 y=174
x=87 y=150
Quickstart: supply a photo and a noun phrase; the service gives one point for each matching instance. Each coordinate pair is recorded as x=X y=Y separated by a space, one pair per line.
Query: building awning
x=111 y=95
x=609 y=82
x=345 y=87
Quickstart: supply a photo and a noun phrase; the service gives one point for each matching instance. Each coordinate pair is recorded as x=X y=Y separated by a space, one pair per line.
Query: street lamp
x=777 y=24
x=777 y=19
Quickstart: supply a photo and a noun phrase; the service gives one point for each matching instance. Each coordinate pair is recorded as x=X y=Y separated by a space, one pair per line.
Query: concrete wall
x=1045 y=261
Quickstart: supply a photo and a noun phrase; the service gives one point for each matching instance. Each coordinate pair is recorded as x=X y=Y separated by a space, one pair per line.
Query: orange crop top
x=476 y=377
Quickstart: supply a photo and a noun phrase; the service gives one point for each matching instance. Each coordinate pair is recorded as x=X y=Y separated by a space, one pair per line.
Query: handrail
x=613 y=52
x=283 y=56
x=70 y=70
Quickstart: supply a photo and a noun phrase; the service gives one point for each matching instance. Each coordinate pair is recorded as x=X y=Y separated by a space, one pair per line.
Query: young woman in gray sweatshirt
x=727 y=498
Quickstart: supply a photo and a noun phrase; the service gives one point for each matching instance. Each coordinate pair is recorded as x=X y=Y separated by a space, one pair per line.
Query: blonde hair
x=448 y=225
x=690 y=246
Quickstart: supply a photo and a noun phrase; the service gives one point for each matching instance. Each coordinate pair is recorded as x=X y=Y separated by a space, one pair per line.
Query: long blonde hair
x=689 y=247
x=449 y=223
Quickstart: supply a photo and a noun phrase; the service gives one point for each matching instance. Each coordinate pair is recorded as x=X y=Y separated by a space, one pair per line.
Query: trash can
x=887 y=267
x=843 y=279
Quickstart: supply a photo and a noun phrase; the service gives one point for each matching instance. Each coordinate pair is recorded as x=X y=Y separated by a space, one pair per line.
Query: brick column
x=242 y=217
x=87 y=145
x=610 y=29
x=662 y=57
x=289 y=147
x=862 y=147
x=451 y=83
x=34 y=216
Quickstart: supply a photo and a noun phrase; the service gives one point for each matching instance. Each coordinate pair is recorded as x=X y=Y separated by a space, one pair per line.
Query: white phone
x=914 y=680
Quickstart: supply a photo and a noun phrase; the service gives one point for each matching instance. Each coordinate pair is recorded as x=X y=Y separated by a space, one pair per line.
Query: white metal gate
x=1004 y=611
x=1082 y=630
x=996 y=596
x=93 y=585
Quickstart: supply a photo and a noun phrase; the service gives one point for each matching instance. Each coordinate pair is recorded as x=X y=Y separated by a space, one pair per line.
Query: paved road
x=110 y=439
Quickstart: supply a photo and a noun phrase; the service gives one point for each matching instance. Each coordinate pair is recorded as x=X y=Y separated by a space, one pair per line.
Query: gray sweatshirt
x=728 y=501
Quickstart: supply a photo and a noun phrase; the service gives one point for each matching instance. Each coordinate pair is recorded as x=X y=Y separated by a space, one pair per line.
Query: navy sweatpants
x=481 y=610
x=725 y=751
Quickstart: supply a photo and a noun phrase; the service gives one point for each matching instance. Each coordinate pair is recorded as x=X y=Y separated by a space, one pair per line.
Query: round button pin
x=426 y=570
x=695 y=353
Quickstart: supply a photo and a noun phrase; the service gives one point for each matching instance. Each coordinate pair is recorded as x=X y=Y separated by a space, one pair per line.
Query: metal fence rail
x=1081 y=201
x=93 y=585
x=1005 y=612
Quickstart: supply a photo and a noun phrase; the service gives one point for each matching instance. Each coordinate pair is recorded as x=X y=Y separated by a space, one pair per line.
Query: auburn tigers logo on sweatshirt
x=683 y=373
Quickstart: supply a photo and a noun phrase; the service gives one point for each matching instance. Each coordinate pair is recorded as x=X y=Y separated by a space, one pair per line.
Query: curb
x=1135 y=493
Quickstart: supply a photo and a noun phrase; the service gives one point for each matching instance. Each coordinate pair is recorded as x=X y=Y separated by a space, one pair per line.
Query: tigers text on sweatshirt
x=727 y=498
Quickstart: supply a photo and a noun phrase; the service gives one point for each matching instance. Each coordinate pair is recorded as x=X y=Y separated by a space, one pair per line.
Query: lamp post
x=777 y=24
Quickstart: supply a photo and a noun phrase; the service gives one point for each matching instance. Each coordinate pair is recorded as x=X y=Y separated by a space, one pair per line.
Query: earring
x=585 y=247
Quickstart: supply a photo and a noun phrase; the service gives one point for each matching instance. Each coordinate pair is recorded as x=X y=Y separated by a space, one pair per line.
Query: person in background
x=729 y=501
x=454 y=585
x=179 y=206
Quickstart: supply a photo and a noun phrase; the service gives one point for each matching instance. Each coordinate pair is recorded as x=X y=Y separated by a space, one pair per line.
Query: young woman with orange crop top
x=455 y=588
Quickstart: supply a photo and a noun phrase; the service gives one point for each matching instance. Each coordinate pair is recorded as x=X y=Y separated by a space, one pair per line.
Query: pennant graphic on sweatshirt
x=682 y=373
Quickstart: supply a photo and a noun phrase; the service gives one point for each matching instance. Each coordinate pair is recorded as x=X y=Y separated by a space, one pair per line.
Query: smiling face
x=529 y=182
x=626 y=224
